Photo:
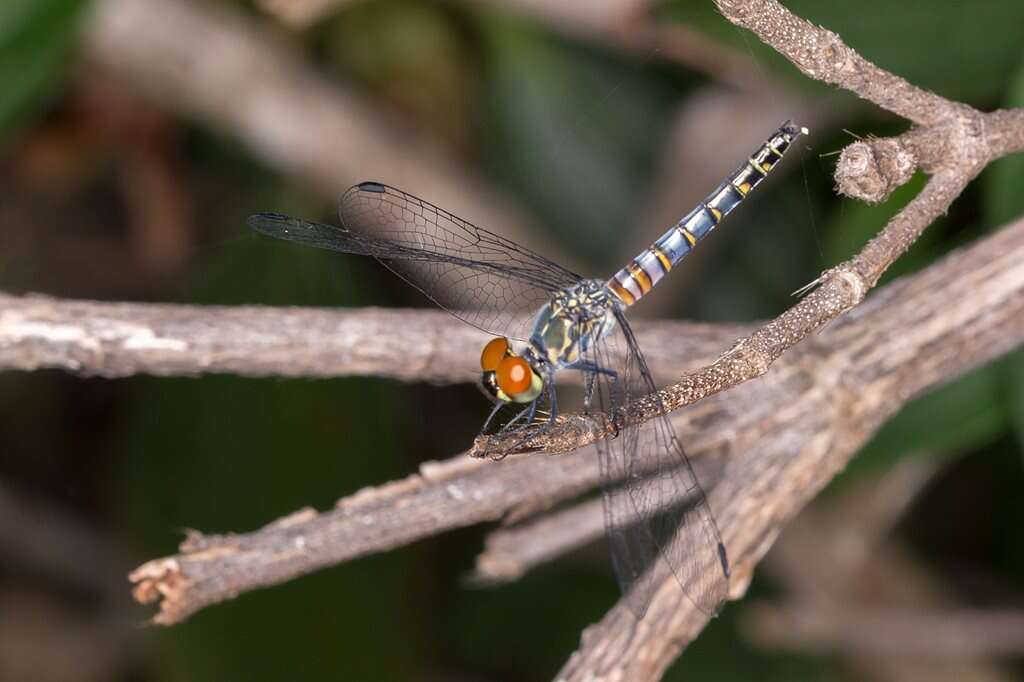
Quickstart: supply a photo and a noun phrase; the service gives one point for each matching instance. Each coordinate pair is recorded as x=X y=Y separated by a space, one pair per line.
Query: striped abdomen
x=633 y=281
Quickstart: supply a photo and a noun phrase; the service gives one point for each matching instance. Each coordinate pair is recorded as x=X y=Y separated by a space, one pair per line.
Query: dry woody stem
x=764 y=442
x=832 y=393
x=95 y=338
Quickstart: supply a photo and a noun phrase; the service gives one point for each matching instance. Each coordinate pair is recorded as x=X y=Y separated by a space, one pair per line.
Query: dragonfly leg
x=592 y=372
x=585 y=366
x=529 y=411
x=549 y=389
x=490 y=417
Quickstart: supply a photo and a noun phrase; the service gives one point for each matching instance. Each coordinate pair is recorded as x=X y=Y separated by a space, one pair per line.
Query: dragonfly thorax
x=571 y=322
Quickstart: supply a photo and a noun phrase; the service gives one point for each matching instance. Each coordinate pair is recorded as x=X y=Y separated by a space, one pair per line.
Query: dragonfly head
x=508 y=376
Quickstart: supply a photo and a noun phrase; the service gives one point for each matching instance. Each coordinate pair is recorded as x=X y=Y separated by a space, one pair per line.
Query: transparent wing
x=657 y=517
x=483 y=279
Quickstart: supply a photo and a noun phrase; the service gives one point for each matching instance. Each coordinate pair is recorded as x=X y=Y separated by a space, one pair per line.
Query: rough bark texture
x=764 y=447
x=95 y=338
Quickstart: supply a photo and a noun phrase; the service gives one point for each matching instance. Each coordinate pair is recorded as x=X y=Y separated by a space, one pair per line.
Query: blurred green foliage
x=964 y=51
x=1005 y=201
x=35 y=41
x=575 y=131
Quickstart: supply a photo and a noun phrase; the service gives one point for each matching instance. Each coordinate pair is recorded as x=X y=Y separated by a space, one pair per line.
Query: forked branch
x=764 y=448
x=832 y=393
x=953 y=142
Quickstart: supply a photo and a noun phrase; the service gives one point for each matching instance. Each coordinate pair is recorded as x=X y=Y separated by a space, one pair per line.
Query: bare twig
x=839 y=290
x=511 y=552
x=823 y=56
x=825 y=398
x=301 y=13
x=945 y=634
x=615 y=644
x=120 y=339
x=795 y=428
x=966 y=142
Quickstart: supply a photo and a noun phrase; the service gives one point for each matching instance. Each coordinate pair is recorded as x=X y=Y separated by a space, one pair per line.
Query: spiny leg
x=530 y=410
x=490 y=417
x=592 y=371
x=550 y=388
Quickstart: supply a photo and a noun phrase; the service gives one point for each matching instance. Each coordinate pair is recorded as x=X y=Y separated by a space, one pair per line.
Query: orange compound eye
x=494 y=351
x=514 y=375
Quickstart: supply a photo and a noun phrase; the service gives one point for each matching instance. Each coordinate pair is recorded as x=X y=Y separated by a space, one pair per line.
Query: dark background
x=106 y=195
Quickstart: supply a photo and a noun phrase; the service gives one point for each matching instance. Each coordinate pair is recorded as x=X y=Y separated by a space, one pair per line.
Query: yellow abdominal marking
x=662 y=258
x=620 y=291
x=640 y=277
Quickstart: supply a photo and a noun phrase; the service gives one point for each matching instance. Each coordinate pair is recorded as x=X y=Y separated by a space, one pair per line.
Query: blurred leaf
x=410 y=55
x=1004 y=202
x=230 y=454
x=35 y=38
x=573 y=131
x=942 y=45
x=223 y=453
x=724 y=653
x=1013 y=386
x=964 y=414
x=509 y=614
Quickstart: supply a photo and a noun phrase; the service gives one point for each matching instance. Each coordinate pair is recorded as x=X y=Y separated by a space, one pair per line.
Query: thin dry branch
x=618 y=647
x=823 y=56
x=786 y=435
x=988 y=136
x=300 y=13
x=943 y=634
x=838 y=290
x=95 y=338
x=511 y=552
x=850 y=379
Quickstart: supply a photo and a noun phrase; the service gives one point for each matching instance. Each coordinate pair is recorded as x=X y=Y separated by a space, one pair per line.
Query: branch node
x=853 y=283
x=750 y=356
x=871 y=169
x=161 y=580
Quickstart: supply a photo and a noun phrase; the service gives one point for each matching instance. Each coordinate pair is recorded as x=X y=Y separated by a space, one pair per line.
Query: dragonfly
x=545 y=319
